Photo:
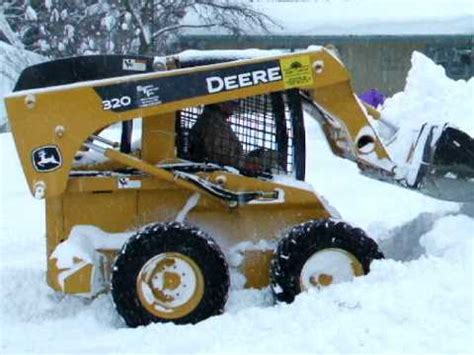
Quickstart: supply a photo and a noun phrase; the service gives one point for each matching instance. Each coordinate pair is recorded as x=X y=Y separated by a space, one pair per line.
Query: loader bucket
x=447 y=167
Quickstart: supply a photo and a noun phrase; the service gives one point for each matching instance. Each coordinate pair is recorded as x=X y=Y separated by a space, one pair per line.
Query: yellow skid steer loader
x=214 y=180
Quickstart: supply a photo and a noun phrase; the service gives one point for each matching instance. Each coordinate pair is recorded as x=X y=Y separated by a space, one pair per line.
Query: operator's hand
x=253 y=166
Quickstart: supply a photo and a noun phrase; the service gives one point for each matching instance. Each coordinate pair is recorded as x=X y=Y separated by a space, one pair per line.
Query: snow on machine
x=211 y=179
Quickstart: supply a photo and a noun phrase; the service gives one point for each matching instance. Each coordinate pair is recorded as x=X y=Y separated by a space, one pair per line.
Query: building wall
x=375 y=61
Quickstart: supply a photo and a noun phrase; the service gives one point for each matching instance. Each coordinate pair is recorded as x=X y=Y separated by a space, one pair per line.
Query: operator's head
x=228 y=107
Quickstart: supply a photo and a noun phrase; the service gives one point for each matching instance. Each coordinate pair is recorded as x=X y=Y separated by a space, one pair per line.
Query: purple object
x=372 y=97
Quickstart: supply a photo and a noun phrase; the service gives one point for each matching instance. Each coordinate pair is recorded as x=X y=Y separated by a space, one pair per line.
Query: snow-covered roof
x=363 y=17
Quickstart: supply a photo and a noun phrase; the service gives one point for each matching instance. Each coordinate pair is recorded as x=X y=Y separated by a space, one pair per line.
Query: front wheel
x=170 y=272
x=319 y=253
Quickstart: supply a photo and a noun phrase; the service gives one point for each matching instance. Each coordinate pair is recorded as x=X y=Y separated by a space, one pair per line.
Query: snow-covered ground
x=418 y=300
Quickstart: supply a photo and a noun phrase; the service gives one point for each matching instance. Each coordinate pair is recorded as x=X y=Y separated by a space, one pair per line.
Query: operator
x=212 y=138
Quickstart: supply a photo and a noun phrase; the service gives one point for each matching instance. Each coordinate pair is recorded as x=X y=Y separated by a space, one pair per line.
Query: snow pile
x=429 y=96
x=372 y=205
x=451 y=238
x=81 y=241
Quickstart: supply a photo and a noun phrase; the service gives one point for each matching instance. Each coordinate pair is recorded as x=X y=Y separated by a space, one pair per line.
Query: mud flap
x=446 y=166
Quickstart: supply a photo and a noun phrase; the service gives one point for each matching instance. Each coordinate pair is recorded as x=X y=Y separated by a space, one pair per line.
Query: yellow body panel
x=158 y=138
x=99 y=202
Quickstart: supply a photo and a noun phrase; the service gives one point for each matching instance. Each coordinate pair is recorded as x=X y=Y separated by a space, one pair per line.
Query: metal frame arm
x=185 y=180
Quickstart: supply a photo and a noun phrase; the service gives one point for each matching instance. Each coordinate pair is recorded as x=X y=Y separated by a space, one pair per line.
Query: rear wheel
x=169 y=273
x=319 y=253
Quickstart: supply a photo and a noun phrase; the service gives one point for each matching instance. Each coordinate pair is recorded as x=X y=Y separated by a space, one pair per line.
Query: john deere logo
x=46 y=158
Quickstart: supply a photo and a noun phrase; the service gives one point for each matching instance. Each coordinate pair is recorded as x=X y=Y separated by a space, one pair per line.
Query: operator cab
x=269 y=129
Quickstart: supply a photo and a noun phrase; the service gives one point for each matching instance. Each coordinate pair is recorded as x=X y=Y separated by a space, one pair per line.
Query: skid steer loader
x=160 y=221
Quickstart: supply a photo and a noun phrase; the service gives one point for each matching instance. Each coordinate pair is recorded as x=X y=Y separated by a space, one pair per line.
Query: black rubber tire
x=169 y=237
x=308 y=238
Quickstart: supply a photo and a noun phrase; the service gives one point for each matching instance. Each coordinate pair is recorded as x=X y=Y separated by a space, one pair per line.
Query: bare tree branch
x=179 y=27
x=75 y=27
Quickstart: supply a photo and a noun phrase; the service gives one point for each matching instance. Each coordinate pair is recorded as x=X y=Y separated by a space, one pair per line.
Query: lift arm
x=50 y=124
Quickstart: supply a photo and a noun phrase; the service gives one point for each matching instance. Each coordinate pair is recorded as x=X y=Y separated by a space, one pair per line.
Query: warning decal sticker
x=296 y=72
x=134 y=64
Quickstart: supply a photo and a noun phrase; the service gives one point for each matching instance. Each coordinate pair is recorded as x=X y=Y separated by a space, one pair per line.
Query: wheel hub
x=322 y=279
x=172 y=280
x=329 y=266
x=170 y=285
